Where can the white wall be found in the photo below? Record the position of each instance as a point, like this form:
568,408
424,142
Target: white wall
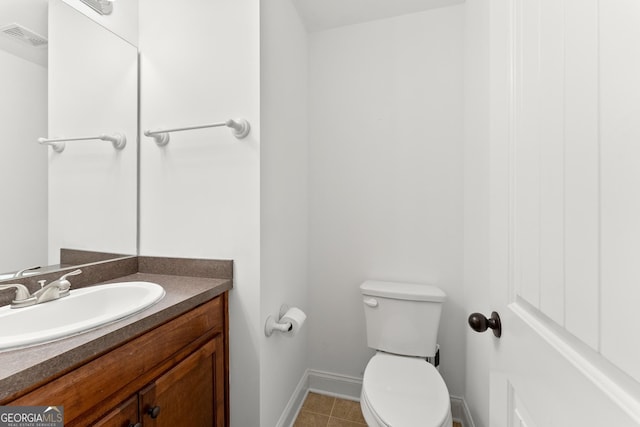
92,90
386,178
284,201
23,224
476,205
200,194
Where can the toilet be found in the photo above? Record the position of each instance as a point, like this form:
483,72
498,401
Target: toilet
400,387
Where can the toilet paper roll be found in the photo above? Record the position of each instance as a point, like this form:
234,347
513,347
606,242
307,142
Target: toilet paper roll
296,317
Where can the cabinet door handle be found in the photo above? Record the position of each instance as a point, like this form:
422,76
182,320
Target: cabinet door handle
154,411
135,425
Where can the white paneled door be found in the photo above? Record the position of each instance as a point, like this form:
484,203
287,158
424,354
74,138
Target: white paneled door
565,212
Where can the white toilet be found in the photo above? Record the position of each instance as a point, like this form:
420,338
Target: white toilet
400,387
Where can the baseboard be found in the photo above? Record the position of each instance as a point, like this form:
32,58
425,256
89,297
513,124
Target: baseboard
342,386
347,387
460,412
290,412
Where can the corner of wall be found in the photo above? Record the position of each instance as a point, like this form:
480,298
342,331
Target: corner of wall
476,209
284,205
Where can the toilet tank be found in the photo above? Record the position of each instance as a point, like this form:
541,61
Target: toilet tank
402,318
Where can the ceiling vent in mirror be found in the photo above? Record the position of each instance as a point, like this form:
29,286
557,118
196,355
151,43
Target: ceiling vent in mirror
103,7
25,35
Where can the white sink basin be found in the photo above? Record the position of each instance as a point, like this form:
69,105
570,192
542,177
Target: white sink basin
83,309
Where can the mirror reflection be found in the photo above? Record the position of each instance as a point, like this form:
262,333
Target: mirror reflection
65,75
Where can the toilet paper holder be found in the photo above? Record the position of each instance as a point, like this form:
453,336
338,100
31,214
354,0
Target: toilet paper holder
272,325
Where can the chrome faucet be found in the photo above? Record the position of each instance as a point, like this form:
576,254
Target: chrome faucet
22,295
21,272
55,290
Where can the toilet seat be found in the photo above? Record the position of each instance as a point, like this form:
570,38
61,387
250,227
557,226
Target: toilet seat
402,391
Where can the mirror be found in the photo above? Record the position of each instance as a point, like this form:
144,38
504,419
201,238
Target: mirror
83,82
23,174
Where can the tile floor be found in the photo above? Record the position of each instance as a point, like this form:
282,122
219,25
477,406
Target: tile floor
319,410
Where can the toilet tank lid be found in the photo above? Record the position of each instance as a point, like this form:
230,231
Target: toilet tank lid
406,291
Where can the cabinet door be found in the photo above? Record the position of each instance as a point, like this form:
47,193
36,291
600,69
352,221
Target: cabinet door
190,394
124,415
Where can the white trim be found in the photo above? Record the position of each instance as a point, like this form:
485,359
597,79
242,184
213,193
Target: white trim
291,411
337,385
460,412
347,387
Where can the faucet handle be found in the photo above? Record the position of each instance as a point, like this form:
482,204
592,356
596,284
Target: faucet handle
72,273
22,293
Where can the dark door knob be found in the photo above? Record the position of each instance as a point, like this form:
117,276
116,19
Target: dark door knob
154,411
479,323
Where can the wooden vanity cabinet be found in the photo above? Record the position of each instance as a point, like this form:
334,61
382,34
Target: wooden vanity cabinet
174,375
187,394
124,415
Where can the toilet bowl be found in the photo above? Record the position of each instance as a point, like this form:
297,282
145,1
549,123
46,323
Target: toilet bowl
400,387
400,391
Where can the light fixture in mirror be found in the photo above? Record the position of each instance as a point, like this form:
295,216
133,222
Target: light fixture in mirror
103,7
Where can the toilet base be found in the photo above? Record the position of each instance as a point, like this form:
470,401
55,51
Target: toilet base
372,419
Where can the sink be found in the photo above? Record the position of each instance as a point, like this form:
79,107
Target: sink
83,309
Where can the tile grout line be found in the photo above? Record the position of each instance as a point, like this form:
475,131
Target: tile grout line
315,412
331,411
335,402
333,407
349,421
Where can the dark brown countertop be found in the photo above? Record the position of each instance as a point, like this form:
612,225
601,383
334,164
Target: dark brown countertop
26,368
